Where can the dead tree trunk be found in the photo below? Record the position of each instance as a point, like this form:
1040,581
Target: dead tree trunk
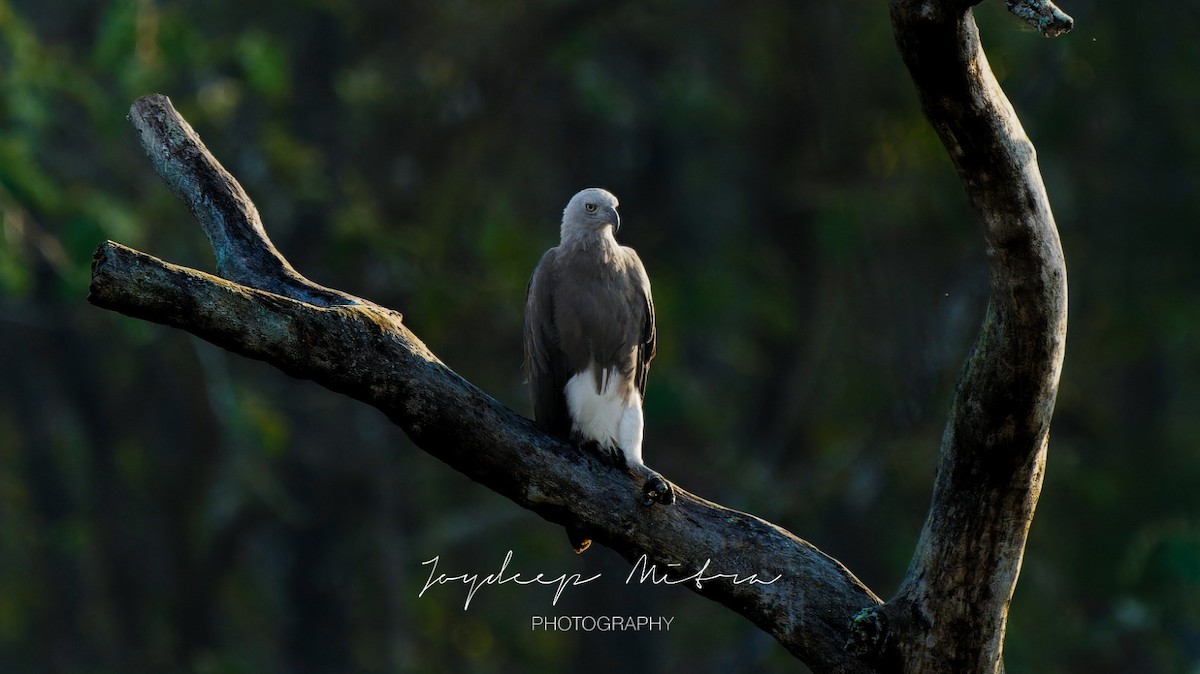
949,614
951,610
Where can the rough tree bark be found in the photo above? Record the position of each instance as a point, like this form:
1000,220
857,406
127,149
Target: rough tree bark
993,452
949,614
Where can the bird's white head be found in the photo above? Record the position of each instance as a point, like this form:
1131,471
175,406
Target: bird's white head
589,213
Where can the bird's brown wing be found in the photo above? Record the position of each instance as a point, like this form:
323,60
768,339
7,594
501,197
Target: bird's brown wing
545,366
649,336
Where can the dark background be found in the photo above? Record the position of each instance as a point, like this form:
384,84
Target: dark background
168,507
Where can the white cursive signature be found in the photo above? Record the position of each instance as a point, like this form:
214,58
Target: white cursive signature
475,581
651,573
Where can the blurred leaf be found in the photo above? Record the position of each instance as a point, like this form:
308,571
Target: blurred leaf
264,63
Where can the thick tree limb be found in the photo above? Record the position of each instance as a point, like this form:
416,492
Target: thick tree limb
951,610
355,347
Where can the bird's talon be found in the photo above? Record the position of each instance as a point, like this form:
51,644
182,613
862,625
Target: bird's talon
617,457
657,490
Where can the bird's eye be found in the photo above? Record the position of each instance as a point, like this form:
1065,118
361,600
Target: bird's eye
591,208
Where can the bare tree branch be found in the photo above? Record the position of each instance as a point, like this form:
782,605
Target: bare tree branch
951,610
244,252
355,347
1043,15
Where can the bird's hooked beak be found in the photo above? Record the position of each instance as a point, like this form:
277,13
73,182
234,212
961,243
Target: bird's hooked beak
616,220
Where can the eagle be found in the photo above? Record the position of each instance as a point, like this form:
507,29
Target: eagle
589,338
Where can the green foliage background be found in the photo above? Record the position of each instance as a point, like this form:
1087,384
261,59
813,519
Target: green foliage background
165,507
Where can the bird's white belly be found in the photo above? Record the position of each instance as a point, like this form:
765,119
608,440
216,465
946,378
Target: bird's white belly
612,417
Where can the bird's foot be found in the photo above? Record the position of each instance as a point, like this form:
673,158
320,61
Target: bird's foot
616,458
657,490
611,456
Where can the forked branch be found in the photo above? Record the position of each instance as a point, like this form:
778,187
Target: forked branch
948,616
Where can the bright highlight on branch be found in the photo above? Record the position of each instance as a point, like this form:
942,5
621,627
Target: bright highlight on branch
1043,15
